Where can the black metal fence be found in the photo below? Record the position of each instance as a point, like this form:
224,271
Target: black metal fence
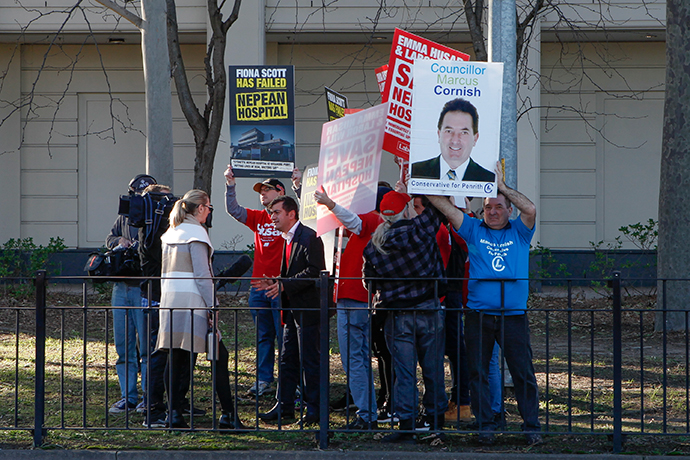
605,363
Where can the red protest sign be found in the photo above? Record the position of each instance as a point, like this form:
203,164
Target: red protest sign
398,91
381,75
349,162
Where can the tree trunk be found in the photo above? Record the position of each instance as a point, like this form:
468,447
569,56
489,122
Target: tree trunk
159,141
207,126
473,15
674,191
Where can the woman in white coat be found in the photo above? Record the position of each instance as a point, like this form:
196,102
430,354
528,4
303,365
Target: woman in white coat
186,297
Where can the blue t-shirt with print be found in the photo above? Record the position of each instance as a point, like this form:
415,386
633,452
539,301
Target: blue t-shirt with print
497,254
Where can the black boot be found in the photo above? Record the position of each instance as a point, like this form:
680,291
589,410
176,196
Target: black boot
176,420
230,422
279,411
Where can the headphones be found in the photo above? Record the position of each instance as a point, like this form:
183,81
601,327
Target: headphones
140,182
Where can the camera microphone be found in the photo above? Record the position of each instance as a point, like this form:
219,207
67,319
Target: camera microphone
235,270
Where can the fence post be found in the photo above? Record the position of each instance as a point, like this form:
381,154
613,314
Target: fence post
617,365
39,398
322,436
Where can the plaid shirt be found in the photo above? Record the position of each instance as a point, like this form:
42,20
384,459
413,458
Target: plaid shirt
412,253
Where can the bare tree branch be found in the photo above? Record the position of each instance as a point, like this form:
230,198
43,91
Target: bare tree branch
207,126
125,13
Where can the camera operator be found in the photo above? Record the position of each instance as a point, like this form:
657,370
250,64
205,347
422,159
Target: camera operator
128,322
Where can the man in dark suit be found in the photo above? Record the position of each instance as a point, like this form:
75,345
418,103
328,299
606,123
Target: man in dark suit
303,260
458,132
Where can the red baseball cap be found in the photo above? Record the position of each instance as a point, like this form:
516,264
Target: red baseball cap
394,202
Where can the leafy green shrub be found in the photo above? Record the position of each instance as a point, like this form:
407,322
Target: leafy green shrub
547,265
21,258
644,236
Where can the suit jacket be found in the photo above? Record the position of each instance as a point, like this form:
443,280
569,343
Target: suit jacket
431,169
300,291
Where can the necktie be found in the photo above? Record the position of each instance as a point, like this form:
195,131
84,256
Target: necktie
451,175
288,251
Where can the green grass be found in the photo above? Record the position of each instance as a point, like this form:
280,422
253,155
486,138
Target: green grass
81,384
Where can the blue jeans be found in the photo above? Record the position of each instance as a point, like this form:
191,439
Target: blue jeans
417,336
127,324
266,314
512,334
495,382
354,319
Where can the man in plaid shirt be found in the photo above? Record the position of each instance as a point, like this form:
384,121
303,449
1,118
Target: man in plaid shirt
401,250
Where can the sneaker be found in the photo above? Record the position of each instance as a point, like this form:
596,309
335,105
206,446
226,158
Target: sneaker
343,403
121,407
141,407
259,388
398,437
358,424
385,416
533,439
187,410
429,422
158,420
423,423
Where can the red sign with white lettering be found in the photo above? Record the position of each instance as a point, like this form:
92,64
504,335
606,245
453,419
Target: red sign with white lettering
406,48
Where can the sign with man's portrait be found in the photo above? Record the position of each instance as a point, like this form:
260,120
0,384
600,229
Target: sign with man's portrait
455,134
406,49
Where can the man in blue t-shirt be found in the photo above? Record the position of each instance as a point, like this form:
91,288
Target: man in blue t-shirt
497,299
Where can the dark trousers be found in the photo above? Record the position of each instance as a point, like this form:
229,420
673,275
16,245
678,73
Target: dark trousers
383,358
512,334
179,366
156,368
301,350
456,351
157,380
177,373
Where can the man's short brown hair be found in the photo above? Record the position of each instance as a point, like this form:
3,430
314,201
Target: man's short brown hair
289,204
509,204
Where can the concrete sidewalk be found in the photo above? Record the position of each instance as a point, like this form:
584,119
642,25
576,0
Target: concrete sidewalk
299,455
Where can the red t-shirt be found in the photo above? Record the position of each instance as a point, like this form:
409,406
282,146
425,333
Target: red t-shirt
352,261
268,244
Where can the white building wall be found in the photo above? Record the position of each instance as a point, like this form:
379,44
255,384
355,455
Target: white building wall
76,159
46,17
598,131
10,139
361,15
601,140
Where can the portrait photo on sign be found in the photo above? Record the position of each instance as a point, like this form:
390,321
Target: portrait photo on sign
455,134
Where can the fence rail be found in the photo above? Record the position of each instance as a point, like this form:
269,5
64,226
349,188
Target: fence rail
606,366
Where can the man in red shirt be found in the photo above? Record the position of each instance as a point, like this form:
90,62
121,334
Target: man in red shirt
268,246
